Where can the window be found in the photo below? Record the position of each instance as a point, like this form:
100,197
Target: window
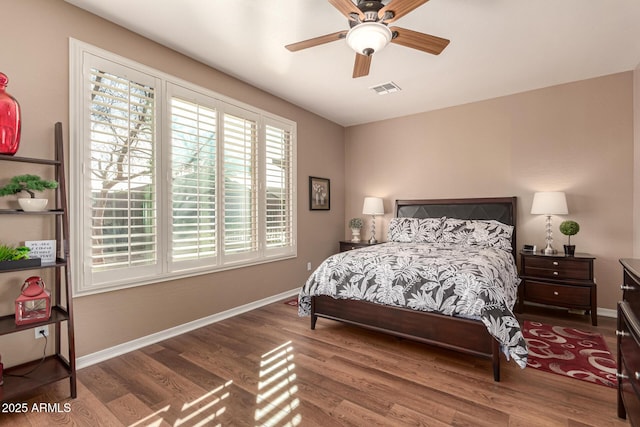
170,179
279,186
193,181
240,184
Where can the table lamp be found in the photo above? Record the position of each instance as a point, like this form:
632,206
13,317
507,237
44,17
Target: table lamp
373,206
549,203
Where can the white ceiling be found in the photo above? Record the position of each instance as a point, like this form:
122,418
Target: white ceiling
498,47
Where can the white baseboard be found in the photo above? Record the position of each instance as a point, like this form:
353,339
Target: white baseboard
607,312
120,349
604,312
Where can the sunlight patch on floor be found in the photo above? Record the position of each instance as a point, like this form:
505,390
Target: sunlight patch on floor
202,411
277,389
152,420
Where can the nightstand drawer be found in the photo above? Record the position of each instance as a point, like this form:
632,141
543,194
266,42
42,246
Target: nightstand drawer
548,293
557,268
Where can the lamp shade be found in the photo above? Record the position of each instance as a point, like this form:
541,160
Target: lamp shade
549,203
372,206
368,37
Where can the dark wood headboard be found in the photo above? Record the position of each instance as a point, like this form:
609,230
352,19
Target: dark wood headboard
501,209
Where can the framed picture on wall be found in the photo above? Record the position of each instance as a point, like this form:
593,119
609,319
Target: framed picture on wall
319,194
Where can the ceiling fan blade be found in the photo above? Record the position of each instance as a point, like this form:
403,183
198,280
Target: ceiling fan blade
316,41
361,66
346,7
415,40
399,8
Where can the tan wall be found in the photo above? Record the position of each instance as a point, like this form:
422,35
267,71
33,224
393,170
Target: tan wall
35,57
636,162
576,138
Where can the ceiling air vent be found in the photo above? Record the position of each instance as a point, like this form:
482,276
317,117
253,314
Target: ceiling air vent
386,88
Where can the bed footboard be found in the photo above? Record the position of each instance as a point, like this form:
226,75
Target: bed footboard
463,335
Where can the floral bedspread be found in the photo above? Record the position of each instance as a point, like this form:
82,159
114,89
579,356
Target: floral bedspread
464,281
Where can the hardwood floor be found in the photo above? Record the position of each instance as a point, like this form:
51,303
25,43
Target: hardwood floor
266,367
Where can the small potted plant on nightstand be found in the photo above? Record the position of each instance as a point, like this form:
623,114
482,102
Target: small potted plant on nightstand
355,224
569,228
30,184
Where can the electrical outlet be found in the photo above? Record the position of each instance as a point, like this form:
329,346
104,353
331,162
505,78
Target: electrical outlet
44,329
308,266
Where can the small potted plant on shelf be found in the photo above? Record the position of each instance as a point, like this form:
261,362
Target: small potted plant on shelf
29,184
355,224
15,257
569,228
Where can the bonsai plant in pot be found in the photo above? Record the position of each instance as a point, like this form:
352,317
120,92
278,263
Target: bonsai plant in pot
569,228
29,184
355,224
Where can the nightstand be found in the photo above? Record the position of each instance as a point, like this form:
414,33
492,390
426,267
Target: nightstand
558,280
347,245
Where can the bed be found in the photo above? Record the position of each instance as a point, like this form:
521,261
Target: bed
460,296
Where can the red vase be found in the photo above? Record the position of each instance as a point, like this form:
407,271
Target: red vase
9,120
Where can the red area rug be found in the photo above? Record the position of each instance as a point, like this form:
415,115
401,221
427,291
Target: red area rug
292,302
570,352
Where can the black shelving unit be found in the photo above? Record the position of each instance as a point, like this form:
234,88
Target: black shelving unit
55,367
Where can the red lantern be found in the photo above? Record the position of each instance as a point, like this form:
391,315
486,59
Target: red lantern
10,121
34,303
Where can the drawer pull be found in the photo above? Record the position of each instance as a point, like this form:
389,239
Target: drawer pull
627,288
555,293
622,333
555,273
622,376
555,262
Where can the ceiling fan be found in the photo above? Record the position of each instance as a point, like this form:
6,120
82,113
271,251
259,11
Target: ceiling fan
370,32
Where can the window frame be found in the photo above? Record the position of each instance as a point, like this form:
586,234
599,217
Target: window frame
167,86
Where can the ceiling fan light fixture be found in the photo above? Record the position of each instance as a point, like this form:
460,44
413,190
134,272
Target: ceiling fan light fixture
369,37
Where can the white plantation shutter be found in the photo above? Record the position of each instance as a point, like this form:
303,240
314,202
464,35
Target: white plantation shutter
121,193
169,179
278,189
240,184
193,181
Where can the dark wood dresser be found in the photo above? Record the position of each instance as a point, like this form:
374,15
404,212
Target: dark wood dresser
558,280
628,333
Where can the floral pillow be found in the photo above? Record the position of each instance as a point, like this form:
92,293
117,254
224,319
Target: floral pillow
485,233
415,230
